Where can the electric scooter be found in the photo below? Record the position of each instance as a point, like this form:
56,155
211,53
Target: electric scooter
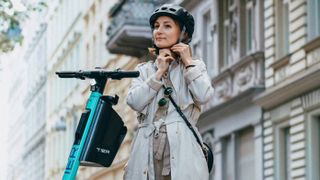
101,130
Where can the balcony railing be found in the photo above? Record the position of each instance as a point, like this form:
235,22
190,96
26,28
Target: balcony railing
129,32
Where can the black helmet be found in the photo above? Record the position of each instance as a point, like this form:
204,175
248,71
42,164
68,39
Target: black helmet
176,12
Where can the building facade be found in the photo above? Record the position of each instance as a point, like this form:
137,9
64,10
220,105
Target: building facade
291,100
16,125
64,100
26,102
262,58
230,40
35,105
4,124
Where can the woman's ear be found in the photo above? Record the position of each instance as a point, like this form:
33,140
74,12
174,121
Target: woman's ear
185,37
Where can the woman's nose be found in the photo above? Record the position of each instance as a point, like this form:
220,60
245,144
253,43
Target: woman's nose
159,30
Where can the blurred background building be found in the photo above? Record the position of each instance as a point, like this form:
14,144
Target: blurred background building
291,100
262,56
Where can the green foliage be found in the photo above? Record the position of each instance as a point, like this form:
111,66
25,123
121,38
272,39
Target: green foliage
11,19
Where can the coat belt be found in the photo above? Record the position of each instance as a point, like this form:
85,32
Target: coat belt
155,126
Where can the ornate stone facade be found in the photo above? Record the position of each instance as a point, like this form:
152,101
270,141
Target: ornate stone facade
291,100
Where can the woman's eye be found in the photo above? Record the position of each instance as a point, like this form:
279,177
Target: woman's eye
156,26
167,26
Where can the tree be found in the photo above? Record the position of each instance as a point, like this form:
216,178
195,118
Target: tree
12,14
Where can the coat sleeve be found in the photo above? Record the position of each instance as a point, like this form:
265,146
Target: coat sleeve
143,89
198,82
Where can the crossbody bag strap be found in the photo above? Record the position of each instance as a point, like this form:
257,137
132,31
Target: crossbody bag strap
185,119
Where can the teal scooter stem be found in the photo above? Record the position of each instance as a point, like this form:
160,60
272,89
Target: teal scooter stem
74,157
86,120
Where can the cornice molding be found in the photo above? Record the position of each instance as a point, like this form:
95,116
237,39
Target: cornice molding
292,87
313,44
311,100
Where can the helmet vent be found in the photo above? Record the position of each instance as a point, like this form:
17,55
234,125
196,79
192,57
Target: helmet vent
164,8
171,9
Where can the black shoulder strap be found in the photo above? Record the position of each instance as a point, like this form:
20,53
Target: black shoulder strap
185,119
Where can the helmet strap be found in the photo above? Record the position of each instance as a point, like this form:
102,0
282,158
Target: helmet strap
182,34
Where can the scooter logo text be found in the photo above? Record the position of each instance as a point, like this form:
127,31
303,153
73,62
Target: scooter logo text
104,151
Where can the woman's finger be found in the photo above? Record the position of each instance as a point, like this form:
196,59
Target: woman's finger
169,59
176,49
180,46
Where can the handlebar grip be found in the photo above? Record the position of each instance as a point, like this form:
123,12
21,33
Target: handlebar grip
124,74
66,74
129,74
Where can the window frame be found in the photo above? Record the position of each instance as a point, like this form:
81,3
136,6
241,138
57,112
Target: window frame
224,157
281,163
224,34
234,21
313,18
282,29
207,51
313,149
249,41
244,131
234,145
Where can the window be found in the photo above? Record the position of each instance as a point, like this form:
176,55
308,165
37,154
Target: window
224,37
283,155
313,19
282,28
245,154
207,50
101,50
238,155
228,159
237,29
94,52
313,146
286,151
249,24
87,56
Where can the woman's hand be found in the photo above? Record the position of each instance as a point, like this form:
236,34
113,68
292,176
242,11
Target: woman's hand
183,50
163,61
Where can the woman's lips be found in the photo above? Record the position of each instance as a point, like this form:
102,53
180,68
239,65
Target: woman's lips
159,39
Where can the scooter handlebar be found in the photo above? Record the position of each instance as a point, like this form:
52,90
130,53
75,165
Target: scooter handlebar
98,74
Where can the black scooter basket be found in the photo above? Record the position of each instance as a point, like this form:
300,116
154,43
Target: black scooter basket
105,136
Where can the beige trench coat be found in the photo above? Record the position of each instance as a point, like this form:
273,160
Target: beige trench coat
192,88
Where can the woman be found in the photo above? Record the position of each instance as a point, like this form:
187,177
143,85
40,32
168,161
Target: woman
164,147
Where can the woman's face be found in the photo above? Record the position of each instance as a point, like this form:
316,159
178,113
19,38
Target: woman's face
166,32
